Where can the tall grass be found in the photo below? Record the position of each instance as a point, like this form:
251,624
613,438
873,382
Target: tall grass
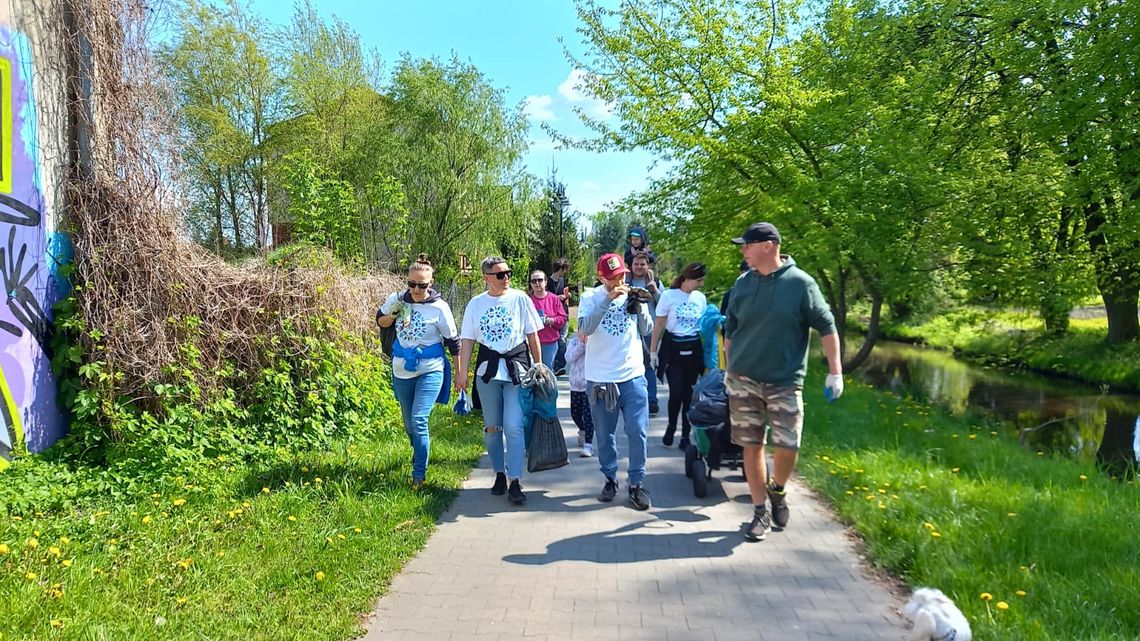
955,504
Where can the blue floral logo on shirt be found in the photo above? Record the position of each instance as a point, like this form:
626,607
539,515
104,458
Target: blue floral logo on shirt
688,317
495,325
414,332
616,321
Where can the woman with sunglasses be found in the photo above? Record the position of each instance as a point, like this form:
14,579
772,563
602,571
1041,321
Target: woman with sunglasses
552,314
421,373
681,357
505,324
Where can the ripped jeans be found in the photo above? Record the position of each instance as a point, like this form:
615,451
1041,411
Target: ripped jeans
503,415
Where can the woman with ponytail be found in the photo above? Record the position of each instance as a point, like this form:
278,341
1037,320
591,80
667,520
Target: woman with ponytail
421,371
676,333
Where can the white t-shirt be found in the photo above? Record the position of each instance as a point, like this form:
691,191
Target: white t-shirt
430,324
613,352
682,310
501,323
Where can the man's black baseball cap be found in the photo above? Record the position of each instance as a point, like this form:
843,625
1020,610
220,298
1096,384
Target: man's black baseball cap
758,233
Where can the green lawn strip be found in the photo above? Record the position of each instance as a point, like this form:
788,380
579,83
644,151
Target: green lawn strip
227,562
955,504
1018,339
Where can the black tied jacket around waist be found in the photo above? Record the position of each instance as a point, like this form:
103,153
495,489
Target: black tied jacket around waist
519,354
670,349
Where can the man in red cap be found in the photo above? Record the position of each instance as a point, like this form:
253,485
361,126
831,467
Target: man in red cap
615,375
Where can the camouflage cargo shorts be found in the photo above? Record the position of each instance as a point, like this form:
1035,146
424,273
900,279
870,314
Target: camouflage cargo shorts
760,409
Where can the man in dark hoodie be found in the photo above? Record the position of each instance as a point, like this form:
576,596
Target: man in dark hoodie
770,315
638,241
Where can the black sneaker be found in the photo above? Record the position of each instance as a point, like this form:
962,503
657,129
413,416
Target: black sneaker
653,407
667,440
500,486
515,494
759,528
684,445
561,371
609,491
779,503
639,498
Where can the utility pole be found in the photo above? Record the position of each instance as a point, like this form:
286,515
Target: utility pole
558,202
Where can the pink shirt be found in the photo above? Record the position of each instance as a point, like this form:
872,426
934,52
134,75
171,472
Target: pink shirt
550,306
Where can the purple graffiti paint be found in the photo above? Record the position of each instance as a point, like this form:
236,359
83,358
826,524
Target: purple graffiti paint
28,389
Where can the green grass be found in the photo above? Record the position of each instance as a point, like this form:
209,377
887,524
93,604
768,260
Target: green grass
221,559
1018,339
955,504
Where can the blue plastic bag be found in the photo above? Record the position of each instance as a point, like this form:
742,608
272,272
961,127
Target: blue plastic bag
462,405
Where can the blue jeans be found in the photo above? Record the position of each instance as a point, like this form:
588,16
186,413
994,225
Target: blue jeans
633,405
560,356
650,376
502,414
416,397
549,351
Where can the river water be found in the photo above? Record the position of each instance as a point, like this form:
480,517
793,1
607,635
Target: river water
1048,415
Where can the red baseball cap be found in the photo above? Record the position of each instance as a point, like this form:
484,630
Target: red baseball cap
611,266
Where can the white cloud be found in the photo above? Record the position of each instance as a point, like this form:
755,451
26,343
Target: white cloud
574,90
538,107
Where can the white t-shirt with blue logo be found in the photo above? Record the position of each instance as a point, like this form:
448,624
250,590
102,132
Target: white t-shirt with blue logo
500,322
430,323
613,352
683,311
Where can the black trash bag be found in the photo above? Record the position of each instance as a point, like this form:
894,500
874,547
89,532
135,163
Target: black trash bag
547,445
710,400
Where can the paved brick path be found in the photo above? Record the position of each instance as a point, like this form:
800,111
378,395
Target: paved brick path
568,567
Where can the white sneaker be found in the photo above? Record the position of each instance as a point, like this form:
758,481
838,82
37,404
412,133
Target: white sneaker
581,438
587,450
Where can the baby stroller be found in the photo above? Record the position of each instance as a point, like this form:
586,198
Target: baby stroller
712,444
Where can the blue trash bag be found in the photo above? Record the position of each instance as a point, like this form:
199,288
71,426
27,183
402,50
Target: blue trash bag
710,400
462,405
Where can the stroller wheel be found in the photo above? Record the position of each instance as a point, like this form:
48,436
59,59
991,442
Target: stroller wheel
691,454
700,479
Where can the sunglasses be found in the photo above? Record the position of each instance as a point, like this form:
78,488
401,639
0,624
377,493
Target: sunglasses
415,285
503,275
538,280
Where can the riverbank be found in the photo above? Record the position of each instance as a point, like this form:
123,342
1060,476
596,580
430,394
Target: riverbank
1030,547
1011,339
302,545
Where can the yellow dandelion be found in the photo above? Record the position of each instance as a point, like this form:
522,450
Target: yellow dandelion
1011,514
1002,605
953,436
921,488
870,497
265,490
929,526
328,540
292,518
220,553
986,596
850,493
320,576
1084,478
304,469
146,519
66,563
185,563
178,502
935,535
181,600
31,576
858,470
1020,593
1040,453
3,548
827,458
882,491
318,480
357,530
973,436
56,623
954,470
63,540
993,433
340,536
32,543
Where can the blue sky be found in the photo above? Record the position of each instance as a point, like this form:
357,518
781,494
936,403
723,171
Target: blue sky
516,45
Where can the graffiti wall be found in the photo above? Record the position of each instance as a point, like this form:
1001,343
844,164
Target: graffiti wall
31,252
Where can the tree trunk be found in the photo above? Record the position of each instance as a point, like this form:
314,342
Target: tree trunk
872,334
1123,324
1116,280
